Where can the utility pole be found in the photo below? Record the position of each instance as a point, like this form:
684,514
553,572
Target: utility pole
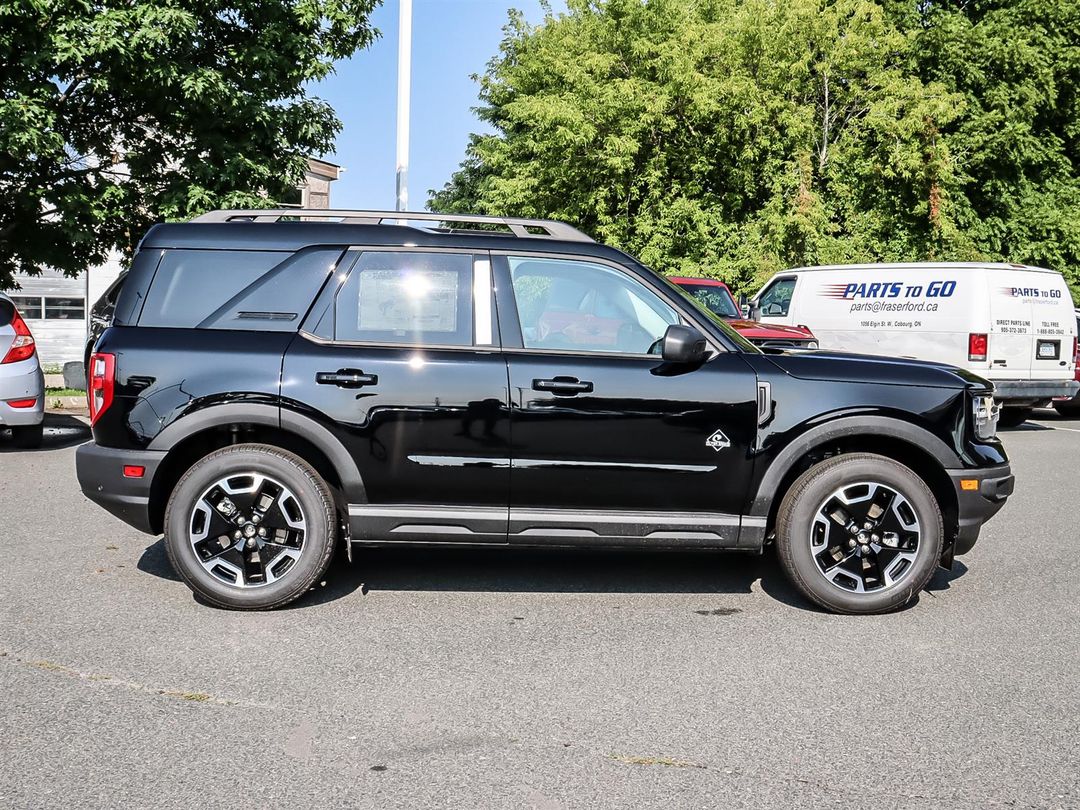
404,86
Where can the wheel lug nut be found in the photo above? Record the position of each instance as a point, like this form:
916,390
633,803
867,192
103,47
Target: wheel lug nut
866,549
236,534
851,544
255,518
875,538
262,532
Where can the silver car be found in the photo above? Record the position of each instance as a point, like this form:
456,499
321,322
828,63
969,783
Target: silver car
22,385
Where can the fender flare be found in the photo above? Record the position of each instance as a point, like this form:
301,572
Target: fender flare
272,416
919,438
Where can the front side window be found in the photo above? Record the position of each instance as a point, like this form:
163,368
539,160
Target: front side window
776,301
407,298
581,306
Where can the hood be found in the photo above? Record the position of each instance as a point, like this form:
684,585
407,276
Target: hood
764,331
865,368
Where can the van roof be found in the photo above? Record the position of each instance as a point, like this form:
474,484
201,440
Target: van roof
922,266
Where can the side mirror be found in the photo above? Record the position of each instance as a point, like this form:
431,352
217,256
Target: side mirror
683,344
745,309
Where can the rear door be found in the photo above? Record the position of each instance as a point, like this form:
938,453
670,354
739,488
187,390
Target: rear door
400,361
1032,325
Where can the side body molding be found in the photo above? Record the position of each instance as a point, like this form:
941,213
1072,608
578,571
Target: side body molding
271,416
842,427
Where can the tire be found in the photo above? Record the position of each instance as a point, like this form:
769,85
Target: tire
1067,409
897,573
299,516
28,437
1014,417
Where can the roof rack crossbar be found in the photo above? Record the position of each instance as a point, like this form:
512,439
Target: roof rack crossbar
520,227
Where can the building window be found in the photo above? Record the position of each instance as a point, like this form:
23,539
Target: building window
29,306
65,309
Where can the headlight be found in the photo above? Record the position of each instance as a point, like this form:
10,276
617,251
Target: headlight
985,412
813,344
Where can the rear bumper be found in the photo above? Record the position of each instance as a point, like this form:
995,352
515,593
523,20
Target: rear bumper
977,505
22,380
101,475
1028,392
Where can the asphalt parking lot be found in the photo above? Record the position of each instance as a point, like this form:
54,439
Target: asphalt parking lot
499,678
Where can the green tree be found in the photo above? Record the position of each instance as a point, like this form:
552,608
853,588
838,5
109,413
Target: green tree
118,113
733,138
1017,65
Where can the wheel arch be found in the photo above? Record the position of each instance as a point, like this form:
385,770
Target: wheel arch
918,449
194,436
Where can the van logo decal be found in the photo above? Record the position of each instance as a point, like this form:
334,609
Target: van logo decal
718,441
1029,292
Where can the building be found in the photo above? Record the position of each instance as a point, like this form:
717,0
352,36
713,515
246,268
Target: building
57,308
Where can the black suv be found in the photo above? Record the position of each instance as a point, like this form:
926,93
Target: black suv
274,381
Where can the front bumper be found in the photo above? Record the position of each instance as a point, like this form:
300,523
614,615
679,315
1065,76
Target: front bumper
22,380
1029,392
980,502
101,475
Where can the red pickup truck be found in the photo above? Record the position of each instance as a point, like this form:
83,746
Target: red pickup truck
717,298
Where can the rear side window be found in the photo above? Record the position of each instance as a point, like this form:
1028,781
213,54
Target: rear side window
407,298
236,289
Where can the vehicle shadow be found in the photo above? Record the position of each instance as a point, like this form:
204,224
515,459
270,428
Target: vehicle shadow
502,569
61,430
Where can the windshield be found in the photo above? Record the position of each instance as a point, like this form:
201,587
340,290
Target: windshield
715,298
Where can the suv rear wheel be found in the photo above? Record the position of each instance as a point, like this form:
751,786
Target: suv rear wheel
28,437
860,533
250,527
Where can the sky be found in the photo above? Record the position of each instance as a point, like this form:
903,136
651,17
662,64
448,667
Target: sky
452,40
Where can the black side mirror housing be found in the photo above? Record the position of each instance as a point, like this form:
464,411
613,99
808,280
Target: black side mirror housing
683,344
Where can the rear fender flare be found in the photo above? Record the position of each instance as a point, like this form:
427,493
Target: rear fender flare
270,416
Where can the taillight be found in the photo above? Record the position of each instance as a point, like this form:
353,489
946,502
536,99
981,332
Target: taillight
101,383
1076,351
977,344
22,348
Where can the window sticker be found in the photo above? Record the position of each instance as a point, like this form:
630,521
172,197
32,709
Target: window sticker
397,300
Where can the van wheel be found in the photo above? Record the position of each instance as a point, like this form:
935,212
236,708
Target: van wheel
859,533
1014,417
1068,409
250,527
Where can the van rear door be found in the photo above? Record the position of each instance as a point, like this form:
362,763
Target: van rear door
1032,325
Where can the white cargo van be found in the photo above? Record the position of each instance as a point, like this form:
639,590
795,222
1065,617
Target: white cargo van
1010,323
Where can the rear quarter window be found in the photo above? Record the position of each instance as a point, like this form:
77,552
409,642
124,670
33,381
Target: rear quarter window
236,289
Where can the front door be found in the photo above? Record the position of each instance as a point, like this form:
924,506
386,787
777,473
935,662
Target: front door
610,443
400,362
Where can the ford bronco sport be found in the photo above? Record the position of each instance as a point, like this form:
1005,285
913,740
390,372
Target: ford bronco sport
276,382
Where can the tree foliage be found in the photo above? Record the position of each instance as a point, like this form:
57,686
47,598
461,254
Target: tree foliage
118,113
735,138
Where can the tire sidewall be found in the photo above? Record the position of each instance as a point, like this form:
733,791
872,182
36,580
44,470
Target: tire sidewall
285,468
794,534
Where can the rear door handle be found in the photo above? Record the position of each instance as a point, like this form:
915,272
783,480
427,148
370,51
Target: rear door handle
563,385
346,378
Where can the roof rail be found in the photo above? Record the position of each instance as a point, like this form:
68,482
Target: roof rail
523,228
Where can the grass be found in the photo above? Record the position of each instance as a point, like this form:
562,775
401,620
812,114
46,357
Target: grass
64,392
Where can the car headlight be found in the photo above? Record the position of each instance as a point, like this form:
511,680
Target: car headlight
812,344
985,412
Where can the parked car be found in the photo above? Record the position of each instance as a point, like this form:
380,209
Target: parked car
716,297
271,386
22,385
1071,407
1009,323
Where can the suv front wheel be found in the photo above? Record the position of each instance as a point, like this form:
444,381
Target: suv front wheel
859,533
250,527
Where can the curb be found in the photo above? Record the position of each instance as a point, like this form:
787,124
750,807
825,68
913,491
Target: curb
65,403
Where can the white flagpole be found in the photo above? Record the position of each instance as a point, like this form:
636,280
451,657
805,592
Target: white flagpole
403,92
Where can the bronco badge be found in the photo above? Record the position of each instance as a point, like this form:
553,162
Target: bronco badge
718,441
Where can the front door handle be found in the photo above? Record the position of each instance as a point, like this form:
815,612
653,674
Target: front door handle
346,378
566,386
